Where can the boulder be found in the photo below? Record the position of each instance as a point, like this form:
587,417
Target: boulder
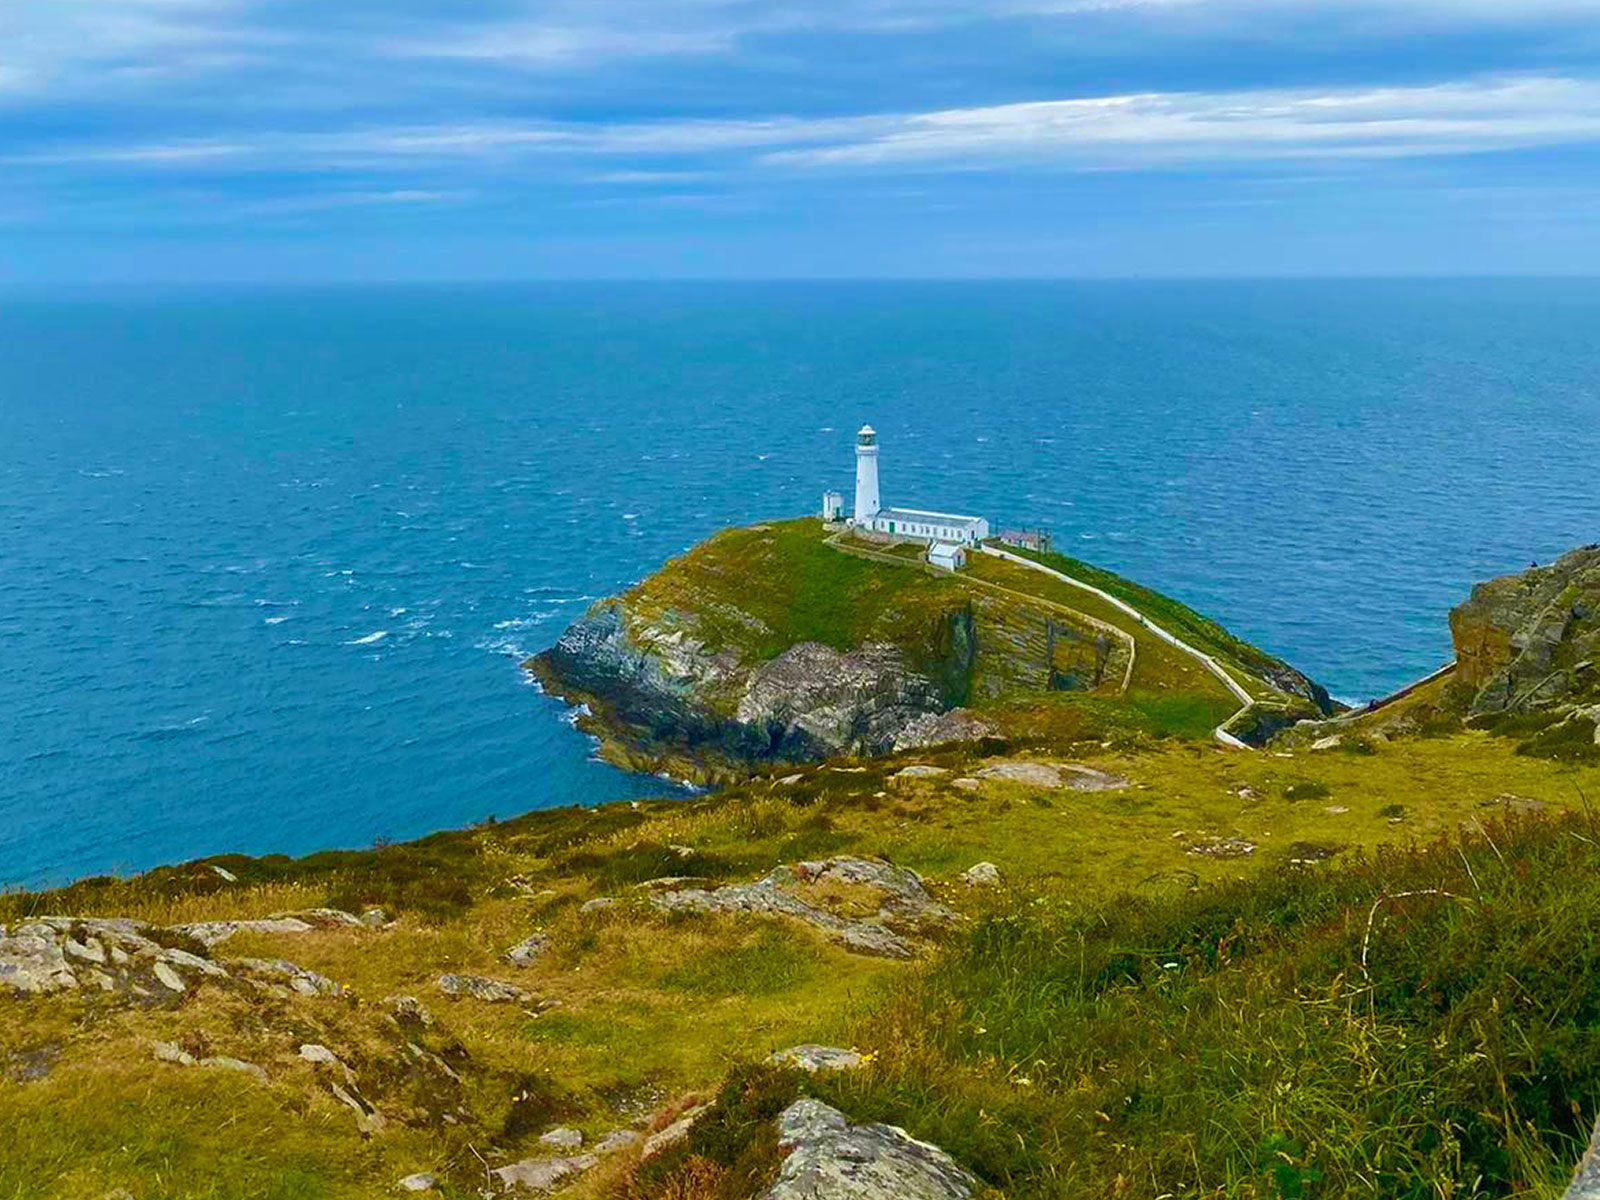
815,1058
941,729
921,771
422,1181
984,874
529,950
598,904
829,1157
561,1138
408,1010
490,991
543,1174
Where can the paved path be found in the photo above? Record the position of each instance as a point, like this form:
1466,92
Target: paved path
1210,664
1366,710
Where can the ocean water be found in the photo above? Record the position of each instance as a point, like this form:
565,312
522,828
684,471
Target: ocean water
268,560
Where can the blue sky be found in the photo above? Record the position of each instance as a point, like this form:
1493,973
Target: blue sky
294,140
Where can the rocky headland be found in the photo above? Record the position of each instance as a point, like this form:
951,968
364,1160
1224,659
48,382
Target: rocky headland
777,644
987,908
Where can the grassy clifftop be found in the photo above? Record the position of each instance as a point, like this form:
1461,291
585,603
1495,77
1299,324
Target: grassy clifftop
759,590
1208,980
1032,655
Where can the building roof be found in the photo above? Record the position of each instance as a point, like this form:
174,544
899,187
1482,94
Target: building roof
946,550
924,517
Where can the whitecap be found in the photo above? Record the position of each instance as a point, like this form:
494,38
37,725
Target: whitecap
398,612
630,516
369,639
279,620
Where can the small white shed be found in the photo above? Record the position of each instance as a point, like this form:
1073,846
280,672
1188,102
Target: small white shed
948,555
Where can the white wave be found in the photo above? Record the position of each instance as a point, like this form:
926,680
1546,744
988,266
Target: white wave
279,620
527,622
398,612
630,516
369,639
573,715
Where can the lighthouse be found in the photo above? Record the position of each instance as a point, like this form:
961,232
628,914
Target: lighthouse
866,476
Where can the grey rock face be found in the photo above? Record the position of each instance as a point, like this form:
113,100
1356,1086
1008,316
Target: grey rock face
113,955
529,950
170,1052
618,1139
817,1058
490,991
1529,641
906,910
829,1157
408,1010
661,689
1586,1179
291,975
422,1181
921,771
1054,776
543,1174
561,1138
814,702
214,933
941,729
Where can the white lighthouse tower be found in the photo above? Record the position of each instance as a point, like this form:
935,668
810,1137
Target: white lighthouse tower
867,505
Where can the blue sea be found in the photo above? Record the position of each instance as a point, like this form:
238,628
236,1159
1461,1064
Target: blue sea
269,559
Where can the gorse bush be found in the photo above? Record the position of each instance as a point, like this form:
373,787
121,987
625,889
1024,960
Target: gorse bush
1416,1024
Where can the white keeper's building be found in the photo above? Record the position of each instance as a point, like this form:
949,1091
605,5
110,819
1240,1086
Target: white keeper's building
939,529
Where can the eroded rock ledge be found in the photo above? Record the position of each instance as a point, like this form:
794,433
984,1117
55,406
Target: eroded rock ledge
662,700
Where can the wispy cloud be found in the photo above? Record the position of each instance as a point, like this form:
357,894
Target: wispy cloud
1162,128
1150,129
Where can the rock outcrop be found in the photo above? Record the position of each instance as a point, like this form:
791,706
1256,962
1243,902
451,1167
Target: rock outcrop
828,1156
657,693
114,955
1531,641
831,896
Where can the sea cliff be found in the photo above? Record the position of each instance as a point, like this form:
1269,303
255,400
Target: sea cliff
1071,946
786,642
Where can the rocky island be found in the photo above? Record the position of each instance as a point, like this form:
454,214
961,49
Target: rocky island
997,899
785,643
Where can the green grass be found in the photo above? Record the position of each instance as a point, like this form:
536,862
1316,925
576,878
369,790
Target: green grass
1254,1040
769,962
1172,615
762,589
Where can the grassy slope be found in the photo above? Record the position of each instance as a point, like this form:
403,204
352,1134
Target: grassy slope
796,589
761,589
1212,1075
1172,615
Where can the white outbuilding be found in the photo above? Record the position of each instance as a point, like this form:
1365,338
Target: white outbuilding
948,555
914,524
